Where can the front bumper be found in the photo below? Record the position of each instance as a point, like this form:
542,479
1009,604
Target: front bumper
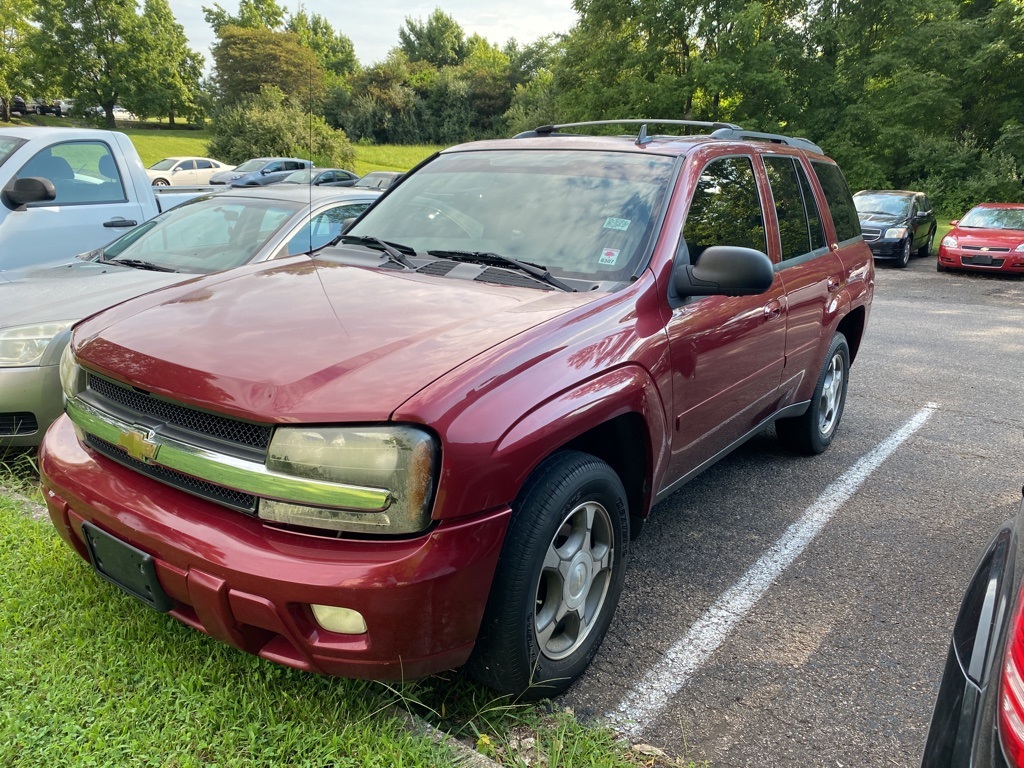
999,261
30,400
250,585
886,249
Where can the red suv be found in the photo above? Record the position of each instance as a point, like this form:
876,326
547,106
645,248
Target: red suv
430,444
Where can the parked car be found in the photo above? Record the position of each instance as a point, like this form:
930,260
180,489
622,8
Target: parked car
896,224
989,238
68,190
21,107
378,179
55,108
978,718
260,171
184,171
330,177
209,234
453,419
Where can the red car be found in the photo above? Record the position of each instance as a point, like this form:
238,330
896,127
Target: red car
431,445
990,238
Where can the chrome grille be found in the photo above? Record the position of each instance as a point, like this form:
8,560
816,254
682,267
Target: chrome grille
243,502
985,248
220,428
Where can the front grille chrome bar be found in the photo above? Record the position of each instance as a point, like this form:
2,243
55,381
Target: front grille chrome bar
149,446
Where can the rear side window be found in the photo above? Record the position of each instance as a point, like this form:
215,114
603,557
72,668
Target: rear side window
726,209
799,221
839,199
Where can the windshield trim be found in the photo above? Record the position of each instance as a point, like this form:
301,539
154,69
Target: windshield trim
16,144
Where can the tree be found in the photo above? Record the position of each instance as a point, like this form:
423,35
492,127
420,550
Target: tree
14,29
252,14
334,50
90,49
247,59
271,124
439,40
171,71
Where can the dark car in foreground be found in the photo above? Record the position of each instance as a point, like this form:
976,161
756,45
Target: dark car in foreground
897,224
978,721
989,238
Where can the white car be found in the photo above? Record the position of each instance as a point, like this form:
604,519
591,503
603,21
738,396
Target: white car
184,171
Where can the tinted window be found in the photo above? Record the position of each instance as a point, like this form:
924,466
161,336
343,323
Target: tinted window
204,164
789,206
81,172
814,225
839,200
725,209
187,165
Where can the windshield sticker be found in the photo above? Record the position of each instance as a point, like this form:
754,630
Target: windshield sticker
609,256
621,224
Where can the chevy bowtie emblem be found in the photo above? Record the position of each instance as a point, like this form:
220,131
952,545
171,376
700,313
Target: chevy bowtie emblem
984,248
139,444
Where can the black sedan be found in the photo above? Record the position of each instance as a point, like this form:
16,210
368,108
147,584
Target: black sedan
979,715
896,224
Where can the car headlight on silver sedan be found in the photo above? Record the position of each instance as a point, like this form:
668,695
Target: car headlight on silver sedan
397,465
24,345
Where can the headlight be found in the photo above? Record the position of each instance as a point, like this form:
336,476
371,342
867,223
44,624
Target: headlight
70,373
1019,248
896,233
402,460
949,241
24,345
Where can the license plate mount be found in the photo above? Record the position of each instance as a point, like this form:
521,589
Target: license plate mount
126,567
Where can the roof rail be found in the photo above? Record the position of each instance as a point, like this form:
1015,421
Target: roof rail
545,130
736,133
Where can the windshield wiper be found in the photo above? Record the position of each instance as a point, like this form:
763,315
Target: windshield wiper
138,264
395,251
497,260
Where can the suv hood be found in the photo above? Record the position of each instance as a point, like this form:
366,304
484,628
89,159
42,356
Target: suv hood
73,291
308,341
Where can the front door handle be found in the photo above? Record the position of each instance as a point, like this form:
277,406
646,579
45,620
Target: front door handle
833,284
772,309
119,223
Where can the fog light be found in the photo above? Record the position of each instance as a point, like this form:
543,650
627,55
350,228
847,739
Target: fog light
342,620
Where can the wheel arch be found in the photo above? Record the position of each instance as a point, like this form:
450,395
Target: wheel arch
852,327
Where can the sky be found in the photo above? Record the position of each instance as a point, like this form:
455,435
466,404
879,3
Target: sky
373,25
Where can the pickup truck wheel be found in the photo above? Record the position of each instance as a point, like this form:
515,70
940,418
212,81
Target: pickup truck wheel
812,433
558,579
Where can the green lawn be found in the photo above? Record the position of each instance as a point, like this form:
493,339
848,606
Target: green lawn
91,677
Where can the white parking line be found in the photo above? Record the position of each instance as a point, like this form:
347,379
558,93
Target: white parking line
647,698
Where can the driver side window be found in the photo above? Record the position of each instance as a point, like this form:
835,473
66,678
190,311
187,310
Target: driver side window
725,209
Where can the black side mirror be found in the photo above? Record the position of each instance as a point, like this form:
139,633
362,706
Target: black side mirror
31,189
725,270
921,215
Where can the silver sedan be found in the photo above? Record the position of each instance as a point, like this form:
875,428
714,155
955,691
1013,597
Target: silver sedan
213,233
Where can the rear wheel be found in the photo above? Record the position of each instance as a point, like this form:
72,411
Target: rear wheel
926,249
812,432
558,579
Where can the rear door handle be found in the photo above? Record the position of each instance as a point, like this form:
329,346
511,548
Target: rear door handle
118,223
772,309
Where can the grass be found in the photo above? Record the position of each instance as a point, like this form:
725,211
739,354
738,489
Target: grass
92,677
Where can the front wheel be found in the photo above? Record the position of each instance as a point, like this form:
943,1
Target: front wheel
558,579
904,258
161,183
812,432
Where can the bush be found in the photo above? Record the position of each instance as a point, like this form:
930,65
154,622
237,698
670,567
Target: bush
270,125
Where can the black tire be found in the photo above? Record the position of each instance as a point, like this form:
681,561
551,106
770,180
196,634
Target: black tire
926,250
812,433
904,258
572,514
161,183
940,268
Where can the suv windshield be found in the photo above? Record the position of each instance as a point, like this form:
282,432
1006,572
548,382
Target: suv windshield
581,214
894,205
208,235
994,218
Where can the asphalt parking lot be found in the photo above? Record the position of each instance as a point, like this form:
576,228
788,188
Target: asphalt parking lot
787,611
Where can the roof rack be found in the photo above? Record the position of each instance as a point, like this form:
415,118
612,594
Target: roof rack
736,133
726,131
